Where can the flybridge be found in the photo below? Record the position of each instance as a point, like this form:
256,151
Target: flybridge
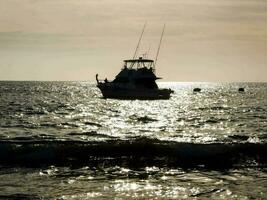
139,63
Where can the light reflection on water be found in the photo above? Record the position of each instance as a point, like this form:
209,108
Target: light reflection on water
72,110
75,111
123,183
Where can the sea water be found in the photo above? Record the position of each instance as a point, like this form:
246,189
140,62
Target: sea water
62,140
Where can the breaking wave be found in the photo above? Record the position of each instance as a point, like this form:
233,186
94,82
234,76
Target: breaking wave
133,153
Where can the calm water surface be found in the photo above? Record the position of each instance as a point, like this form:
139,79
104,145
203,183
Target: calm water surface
61,140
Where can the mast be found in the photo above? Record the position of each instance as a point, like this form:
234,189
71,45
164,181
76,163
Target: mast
138,44
159,46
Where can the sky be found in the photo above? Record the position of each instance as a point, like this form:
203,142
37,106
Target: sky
204,40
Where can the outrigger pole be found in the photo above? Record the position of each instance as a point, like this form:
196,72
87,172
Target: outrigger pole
138,44
159,46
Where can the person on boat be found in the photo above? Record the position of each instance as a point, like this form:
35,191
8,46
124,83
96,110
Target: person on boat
96,77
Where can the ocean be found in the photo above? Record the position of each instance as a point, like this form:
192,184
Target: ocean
62,140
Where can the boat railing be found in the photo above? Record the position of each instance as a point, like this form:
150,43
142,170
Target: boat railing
101,80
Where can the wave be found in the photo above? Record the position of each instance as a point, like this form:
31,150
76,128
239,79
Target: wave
143,119
20,196
135,153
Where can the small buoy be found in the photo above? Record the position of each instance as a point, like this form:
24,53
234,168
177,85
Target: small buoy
241,90
197,90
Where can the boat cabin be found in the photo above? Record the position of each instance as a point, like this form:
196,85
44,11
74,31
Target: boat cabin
139,72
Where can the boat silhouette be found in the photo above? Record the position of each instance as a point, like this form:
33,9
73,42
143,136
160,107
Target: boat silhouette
136,80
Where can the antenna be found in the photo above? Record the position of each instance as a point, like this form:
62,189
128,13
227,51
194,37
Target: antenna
159,46
138,44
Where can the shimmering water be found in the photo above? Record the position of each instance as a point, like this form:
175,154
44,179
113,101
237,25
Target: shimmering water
62,140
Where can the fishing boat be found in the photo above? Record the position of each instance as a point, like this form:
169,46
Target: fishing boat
136,80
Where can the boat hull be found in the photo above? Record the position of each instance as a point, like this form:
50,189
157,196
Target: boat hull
126,93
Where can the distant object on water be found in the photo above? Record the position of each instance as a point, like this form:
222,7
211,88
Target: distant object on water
196,90
241,89
136,80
